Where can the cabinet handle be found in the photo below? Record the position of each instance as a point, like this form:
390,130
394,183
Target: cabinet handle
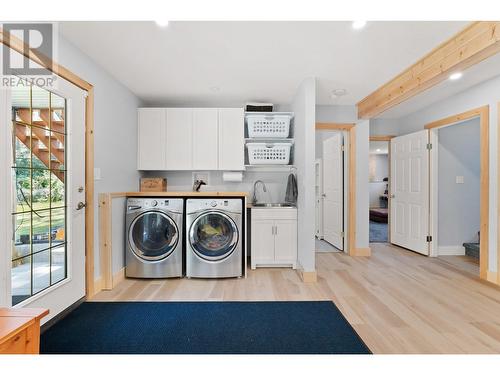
276,230
273,230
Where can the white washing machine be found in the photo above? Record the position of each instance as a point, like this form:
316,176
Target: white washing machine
154,238
214,238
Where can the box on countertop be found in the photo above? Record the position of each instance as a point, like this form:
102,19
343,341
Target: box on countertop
153,184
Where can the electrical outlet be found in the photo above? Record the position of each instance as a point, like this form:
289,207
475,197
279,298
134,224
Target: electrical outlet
203,176
459,179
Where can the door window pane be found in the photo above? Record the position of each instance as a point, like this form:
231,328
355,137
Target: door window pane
21,280
22,241
39,256
58,263
41,271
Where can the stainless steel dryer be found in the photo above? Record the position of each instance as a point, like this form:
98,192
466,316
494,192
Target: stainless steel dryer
154,238
214,242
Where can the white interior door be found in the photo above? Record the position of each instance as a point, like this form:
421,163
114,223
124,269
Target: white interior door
410,191
45,213
333,205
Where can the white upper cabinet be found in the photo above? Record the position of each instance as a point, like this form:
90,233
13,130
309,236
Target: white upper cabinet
191,139
151,138
205,138
231,139
179,142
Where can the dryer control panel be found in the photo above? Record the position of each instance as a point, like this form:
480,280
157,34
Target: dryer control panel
233,205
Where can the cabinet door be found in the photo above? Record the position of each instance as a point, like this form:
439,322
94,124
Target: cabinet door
151,139
205,138
262,242
285,242
179,144
231,139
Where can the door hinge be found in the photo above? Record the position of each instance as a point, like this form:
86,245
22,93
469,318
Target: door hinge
429,146
342,234
429,238
342,148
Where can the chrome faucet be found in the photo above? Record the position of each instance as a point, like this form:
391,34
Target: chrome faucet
254,198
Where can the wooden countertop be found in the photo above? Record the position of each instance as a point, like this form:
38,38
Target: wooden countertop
179,194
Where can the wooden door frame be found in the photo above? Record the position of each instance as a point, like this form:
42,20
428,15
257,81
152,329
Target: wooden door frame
483,113
385,138
17,45
350,128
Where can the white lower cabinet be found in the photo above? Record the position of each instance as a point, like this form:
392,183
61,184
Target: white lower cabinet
274,237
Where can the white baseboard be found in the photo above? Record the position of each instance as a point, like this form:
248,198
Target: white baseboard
451,250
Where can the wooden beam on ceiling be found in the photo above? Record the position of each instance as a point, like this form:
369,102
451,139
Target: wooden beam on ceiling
475,43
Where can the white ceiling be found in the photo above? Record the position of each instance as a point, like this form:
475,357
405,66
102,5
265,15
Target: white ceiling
249,61
478,73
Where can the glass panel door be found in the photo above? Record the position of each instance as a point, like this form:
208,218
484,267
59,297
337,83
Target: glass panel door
39,209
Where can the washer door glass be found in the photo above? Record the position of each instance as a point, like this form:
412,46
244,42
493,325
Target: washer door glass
153,236
213,236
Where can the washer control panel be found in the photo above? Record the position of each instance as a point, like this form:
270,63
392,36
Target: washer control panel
222,204
155,203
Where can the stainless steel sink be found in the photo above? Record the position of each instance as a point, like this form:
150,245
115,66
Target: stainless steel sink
273,205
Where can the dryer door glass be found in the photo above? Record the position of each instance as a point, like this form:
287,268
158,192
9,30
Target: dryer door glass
213,236
153,236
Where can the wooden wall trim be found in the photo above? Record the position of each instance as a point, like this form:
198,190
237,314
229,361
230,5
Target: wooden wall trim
467,115
309,277
498,195
361,252
17,45
89,193
475,43
484,119
334,126
105,240
376,138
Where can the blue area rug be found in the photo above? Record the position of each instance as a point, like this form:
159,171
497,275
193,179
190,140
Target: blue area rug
378,231
203,328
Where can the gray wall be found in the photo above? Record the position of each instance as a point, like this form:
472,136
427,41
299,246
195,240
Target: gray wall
458,155
115,124
303,106
275,183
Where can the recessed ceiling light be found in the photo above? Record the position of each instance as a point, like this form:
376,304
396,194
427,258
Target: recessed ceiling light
357,25
378,150
215,88
455,76
161,22
337,93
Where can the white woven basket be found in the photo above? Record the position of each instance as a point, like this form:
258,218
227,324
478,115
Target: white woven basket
269,153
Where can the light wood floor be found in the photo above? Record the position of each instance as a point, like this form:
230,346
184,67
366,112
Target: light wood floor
397,301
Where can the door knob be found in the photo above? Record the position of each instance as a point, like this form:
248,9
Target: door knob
323,195
80,205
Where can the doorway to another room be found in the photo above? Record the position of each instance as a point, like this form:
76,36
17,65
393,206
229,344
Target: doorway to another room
330,191
457,189
379,171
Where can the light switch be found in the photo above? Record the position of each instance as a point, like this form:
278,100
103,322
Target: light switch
97,174
459,179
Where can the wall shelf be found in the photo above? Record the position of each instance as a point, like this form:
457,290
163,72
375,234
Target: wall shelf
269,168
